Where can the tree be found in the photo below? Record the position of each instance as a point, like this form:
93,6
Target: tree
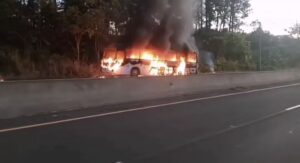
294,31
209,13
238,9
276,52
96,28
199,15
77,25
221,14
220,10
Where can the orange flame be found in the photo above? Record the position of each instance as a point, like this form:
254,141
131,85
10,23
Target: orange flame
161,63
111,64
181,68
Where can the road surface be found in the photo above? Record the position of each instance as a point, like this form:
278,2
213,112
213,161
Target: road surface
261,126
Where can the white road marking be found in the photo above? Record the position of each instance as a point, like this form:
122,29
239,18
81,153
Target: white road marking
146,108
293,108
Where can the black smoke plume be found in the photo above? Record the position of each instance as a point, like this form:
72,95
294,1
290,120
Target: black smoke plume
164,24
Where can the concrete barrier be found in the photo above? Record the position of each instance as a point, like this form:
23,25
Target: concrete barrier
34,97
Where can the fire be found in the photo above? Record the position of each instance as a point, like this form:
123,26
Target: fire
158,68
192,58
173,59
146,55
159,63
181,68
111,64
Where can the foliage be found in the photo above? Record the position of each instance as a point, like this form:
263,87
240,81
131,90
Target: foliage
226,46
221,14
295,31
15,66
277,51
34,32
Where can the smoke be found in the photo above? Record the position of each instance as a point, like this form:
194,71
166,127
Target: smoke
165,24
207,58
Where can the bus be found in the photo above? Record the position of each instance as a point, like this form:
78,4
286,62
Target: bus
148,62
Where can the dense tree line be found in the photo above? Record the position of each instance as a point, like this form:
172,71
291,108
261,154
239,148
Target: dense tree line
218,30
58,38
221,14
65,38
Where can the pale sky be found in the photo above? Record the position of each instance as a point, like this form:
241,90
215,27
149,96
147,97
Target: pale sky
275,15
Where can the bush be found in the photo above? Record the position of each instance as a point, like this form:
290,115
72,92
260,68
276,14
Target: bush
15,66
228,65
232,51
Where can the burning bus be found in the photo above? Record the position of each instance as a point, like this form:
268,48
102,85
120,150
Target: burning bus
160,42
148,62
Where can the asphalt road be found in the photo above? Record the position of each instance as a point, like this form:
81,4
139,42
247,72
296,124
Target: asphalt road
257,127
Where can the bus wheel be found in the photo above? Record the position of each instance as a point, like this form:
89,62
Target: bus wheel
135,72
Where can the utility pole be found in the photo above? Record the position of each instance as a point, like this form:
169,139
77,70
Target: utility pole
260,45
259,30
260,50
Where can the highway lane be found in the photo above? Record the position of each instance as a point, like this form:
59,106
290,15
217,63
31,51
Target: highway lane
209,130
275,140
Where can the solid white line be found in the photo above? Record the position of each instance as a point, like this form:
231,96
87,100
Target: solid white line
146,108
293,108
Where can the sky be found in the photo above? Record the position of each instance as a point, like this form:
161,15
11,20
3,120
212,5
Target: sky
275,15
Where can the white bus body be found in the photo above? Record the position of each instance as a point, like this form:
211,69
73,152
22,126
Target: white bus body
147,63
